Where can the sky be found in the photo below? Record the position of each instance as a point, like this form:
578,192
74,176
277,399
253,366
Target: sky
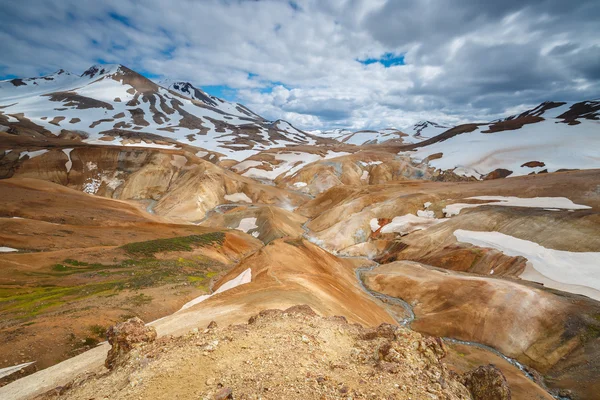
324,64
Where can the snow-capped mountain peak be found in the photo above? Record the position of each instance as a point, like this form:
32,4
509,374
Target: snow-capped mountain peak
114,105
187,89
96,71
425,128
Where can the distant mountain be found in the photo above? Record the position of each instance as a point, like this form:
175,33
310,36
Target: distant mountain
114,105
550,137
426,129
414,134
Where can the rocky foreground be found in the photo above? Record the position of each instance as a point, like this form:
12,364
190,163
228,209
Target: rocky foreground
291,354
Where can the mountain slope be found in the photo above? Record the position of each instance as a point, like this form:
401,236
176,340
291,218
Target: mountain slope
111,104
548,138
188,90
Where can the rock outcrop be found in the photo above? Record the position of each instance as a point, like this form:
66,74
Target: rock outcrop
282,354
487,383
124,337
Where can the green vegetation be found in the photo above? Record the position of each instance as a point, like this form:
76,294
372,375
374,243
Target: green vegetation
98,330
74,267
106,281
181,243
139,300
591,332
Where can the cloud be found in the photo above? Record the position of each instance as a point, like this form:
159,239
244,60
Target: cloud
447,60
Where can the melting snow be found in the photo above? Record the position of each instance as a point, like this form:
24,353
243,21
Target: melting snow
241,279
7,249
69,163
32,154
11,370
561,268
374,223
408,223
533,202
247,224
238,197
426,214
92,186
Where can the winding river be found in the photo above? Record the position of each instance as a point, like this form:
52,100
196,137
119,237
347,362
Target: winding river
406,321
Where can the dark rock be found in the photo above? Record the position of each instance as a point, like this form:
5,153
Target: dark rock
497,174
487,382
212,325
387,331
533,164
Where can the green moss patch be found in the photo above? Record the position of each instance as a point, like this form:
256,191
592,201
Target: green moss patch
182,243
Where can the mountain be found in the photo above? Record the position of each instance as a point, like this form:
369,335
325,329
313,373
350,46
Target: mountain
363,137
427,129
114,105
550,137
414,134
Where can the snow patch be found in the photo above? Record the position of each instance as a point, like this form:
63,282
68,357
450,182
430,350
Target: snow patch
92,185
11,370
5,249
238,197
241,279
32,154
425,214
511,201
564,270
408,223
69,163
374,223
247,224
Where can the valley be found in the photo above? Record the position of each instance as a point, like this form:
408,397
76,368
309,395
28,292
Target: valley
181,208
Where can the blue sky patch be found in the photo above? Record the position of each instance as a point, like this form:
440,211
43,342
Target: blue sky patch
222,91
387,60
121,18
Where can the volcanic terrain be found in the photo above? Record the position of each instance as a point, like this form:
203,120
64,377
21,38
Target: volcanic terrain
406,261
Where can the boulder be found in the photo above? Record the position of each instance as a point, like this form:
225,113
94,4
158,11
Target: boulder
124,337
487,382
